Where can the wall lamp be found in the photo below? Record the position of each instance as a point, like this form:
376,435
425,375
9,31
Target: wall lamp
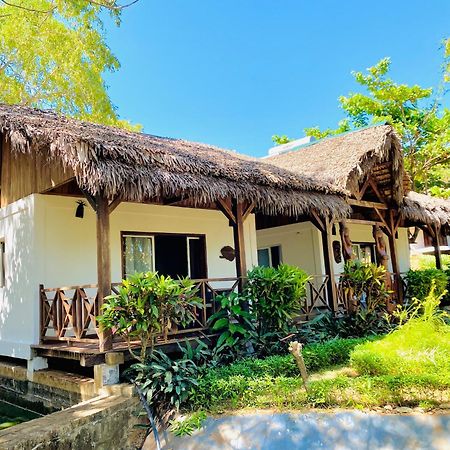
80,209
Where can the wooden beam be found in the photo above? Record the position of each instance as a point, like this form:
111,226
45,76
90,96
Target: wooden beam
248,211
317,221
239,241
91,200
437,248
115,203
394,257
383,220
374,186
365,222
366,204
223,206
327,246
361,192
103,264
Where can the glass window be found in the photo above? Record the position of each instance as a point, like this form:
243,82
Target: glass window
264,257
270,256
364,252
138,254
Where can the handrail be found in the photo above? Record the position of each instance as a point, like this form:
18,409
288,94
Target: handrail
69,313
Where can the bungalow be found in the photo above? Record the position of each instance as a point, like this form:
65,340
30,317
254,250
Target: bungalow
84,205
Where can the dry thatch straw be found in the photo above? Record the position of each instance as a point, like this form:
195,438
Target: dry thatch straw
420,208
345,160
142,167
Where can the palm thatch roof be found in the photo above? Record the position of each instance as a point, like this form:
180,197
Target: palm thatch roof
345,160
140,167
421,208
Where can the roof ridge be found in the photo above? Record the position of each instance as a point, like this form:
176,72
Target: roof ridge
327,138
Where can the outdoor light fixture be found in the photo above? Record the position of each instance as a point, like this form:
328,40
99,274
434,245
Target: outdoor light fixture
80,209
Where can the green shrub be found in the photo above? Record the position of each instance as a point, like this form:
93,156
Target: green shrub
421,262
419,282
229,383
276,296
148,304
420,346
167,381
364,286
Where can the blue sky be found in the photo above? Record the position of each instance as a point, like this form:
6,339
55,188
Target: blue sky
234,72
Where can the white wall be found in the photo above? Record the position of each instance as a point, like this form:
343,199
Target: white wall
301,245
46,243
19,298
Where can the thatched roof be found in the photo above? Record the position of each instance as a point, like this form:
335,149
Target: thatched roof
141,167
421,208
346,159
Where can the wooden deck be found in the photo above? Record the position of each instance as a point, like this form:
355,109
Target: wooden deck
88,353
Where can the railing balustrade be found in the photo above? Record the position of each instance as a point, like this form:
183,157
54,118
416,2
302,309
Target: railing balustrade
69,313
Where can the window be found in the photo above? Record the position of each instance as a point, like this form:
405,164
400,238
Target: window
364,252
177,255
138,254
269,256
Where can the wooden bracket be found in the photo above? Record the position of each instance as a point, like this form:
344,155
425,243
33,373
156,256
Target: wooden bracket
223,206
115,203
363,189
317,221
383,220
248,210
374,186
91,200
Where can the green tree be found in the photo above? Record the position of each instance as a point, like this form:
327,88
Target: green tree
415,112
53,54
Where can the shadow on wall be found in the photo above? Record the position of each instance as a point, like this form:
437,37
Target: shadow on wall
352,429
19,306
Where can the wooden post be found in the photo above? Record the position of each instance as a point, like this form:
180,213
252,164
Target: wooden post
103,264
437,248
394,258
239,242
327,245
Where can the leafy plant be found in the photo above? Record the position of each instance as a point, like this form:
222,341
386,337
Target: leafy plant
166,381
233,323
185,426
420,345
276,296
37,38
149,304
419,282
364,286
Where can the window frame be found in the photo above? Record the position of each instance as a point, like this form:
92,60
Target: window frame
124,234
269,249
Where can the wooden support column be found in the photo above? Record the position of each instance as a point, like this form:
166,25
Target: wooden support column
103,264
325,228
327,245
239,242
394,257
236,212
437,248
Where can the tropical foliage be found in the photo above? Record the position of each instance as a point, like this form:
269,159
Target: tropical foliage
149,304
53,54
419,346
415,112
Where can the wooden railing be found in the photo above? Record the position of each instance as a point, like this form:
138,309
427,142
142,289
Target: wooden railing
316,301
69,313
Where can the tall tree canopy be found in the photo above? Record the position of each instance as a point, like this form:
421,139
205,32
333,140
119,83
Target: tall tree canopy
53,54
416,113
